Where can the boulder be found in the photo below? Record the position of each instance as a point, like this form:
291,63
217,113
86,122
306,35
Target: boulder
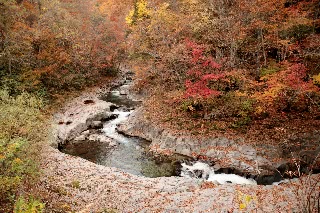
80,138
80,118
96,125
102,139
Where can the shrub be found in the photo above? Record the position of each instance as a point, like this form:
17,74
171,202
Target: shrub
28,206
316,79
269,70
21,133
297,32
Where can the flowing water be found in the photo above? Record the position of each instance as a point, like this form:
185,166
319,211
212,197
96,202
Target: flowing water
131,153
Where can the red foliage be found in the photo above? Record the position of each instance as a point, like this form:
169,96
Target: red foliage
199,88
296,78
204,69
212,77
211,63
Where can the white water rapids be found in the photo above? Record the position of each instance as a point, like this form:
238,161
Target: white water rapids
110,127
209,174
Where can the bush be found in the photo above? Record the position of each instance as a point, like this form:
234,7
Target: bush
28,206
316,79
271,69
297,32
21,133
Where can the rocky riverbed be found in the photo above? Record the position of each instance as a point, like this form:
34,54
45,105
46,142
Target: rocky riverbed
75,184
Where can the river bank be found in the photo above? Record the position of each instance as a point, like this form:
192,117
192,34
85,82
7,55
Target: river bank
75,184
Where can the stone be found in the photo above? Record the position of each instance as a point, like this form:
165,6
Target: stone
124,109
211,153
102,139
113,143
93,137
233,154
123,92
82,117
216,167
247,150
85,133
186,152
224,142
179,148
96,125
88,101
80,138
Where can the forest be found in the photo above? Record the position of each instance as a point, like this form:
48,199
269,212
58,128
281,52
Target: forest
206,67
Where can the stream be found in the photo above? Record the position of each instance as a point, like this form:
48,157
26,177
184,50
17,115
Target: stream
130,154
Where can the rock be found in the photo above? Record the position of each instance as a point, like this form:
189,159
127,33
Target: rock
247,150
83,116
102,139
216,167
113,107
262,162
113,143
88,101
96,125
93,137
124,109
246,167
123,92
80,138
186,152
211,153
224,142
242,157
85,133
100,116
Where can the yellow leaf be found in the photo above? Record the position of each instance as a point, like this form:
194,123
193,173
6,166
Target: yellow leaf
242,206
18,161
248,198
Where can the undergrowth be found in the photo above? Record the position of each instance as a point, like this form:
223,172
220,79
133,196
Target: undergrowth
21,135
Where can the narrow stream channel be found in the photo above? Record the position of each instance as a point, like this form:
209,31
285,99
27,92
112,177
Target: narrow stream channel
130,155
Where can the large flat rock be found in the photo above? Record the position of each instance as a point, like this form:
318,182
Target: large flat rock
84,113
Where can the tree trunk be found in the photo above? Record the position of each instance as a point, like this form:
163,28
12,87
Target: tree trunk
263,49
258,65
233,53
10,65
